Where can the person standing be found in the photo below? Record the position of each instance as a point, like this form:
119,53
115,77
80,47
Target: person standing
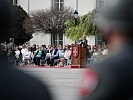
83,41
11,51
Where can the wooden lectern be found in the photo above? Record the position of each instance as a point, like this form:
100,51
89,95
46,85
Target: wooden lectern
78,56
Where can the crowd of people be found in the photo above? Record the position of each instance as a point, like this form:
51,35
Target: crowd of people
41,55
55,55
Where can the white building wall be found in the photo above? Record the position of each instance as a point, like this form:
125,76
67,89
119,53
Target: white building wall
35,4
41,38
84,6
67,41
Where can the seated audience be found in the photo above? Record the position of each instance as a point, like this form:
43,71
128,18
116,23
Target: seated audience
67,56
40,54
49,50
54,56
28,55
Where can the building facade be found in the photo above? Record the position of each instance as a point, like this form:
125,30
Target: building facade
82,6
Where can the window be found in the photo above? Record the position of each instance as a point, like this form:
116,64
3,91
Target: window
58,4
58,39
15,2
100,4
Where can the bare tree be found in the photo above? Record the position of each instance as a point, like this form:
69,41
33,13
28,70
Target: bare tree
51,21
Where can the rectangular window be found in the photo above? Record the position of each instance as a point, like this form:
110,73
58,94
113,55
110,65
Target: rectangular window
58,39
58,4
62,6
15,2
100,4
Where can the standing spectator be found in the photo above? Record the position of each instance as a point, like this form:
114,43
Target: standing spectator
89,54
11,47
11,51
5,46
95,56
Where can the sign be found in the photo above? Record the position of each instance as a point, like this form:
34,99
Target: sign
75,52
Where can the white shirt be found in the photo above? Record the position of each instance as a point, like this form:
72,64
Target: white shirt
17,53
23,50
60,52
57,53
105,52
67,54
28,55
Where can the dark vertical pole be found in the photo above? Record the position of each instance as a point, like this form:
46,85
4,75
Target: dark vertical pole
75,21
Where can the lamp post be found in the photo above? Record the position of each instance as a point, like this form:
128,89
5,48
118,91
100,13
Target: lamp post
75,16
28,6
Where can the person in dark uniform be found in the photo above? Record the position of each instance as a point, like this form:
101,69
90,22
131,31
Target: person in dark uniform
14,84
112,78
83,41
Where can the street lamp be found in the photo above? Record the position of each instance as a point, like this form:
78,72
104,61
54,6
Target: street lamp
75,16
28,6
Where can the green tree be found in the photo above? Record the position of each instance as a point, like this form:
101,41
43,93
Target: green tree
22,30
85,26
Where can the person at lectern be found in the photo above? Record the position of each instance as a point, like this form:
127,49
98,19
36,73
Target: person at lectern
83,41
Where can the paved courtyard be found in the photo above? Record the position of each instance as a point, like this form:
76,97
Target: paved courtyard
63,83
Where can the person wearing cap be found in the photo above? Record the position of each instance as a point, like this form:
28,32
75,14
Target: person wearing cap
15,84
112,78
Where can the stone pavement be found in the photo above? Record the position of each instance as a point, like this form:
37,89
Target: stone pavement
63,83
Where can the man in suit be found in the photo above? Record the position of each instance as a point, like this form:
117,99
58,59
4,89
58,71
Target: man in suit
112,78
49,50
83,41
54,55
14,84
